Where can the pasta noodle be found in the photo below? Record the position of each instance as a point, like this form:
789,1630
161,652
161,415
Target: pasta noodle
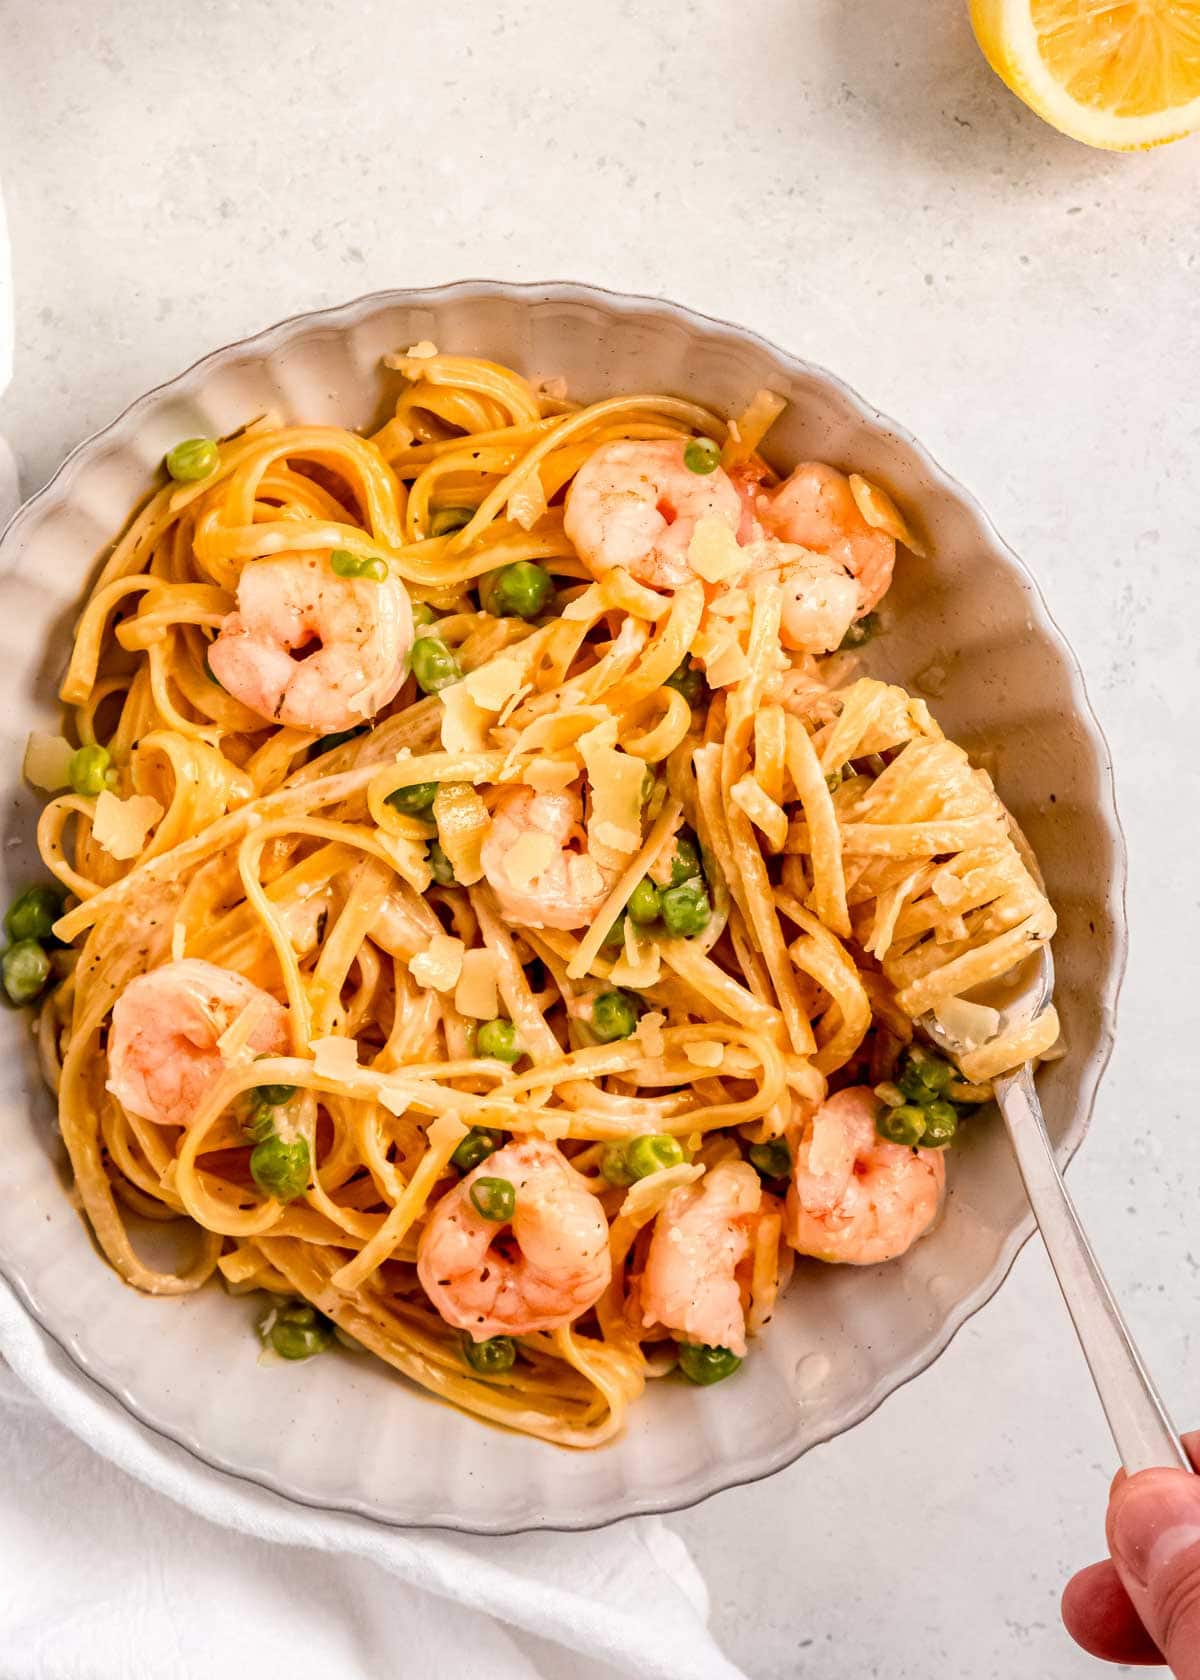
477,885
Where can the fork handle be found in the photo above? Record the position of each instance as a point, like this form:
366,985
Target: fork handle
1145,1436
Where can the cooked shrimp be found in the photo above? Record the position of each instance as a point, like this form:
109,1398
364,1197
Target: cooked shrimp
820,598
536,862
854,1197
700,1238
814,507
162,1046
538,1271
311,649
636,505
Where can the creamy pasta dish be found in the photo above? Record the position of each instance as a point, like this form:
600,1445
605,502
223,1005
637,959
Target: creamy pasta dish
489,901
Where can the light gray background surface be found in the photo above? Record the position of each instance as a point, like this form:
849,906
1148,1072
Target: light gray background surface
847,177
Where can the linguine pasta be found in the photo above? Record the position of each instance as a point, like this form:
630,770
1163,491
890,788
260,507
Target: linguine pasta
778,865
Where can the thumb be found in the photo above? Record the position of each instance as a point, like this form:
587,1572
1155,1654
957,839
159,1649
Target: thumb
1154,1538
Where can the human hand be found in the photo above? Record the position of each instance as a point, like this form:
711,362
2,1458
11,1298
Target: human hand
1142,1605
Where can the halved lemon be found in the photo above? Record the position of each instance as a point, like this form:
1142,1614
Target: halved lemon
1123,74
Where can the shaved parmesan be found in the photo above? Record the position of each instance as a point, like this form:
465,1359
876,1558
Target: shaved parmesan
881,513
438,967
713,552
827,1149
550,775
334,1058
638,972
649,1034
727,666
423,351
588,605
465,724
47,762
476,994
617,780
705,1052
121,825
584,876
528,859
968,1024
494,683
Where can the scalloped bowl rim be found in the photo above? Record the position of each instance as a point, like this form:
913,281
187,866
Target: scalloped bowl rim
724,1475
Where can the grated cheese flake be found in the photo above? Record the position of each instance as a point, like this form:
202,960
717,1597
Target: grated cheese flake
529,858
334,1057
617,780
705,1053
47,762
423,351
121,825
713,552
476,994
550,775
969,1024
494,683
649,1034
465,723
438,967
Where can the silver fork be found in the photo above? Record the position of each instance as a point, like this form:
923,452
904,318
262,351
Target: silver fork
1145,1436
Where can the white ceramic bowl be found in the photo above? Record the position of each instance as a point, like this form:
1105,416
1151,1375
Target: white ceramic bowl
345,1432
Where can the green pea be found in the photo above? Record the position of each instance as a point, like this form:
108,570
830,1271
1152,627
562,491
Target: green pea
446,520
706,1365
614,1015
261,1124
652,1152
860,632
771,1160
702,455
494,1199
34,913
519,590
347,565
499,1039
433,665
834,779
492,1357
905,1125
643,904
90,770
686,910
941,1123
443,869
925,1075
423,614
688,681
616,933
24,969
413,801
328,742
614,1166
479,1143
281,1169
685,860
299,1331
192,460
275,1095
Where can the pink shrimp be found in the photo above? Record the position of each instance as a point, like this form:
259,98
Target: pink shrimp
561,1264
701,1237
311,649
637,505
562,885
854,1197
163,1055
815,507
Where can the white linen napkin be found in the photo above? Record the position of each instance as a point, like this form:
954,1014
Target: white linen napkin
151,1563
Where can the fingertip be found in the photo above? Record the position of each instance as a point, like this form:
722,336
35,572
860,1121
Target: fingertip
1099,1616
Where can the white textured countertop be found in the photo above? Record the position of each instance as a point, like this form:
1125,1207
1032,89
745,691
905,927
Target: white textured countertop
851,181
